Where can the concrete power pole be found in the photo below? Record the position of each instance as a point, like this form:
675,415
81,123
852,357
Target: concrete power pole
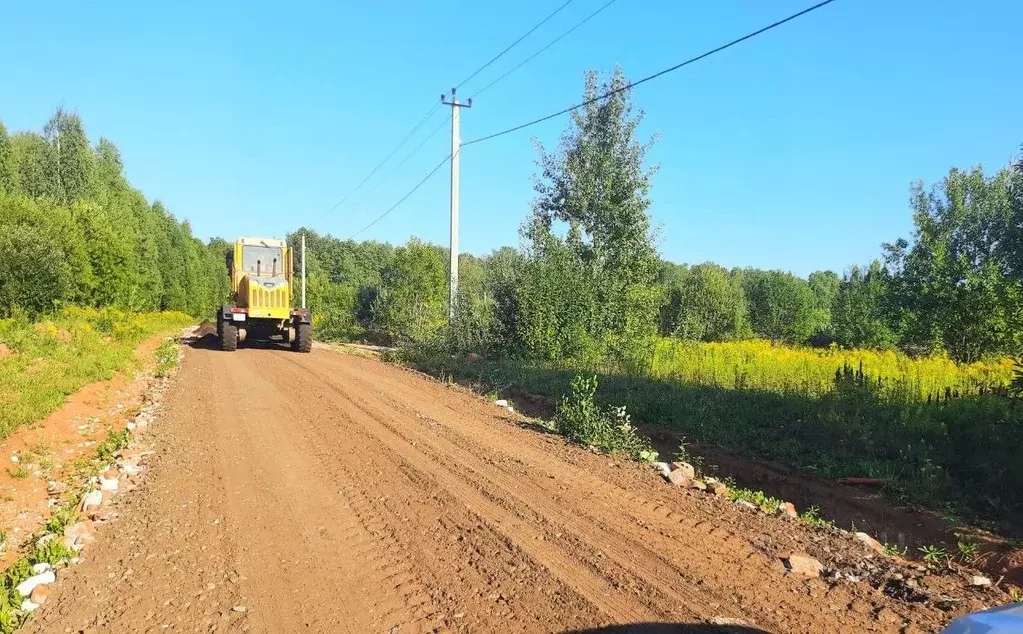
455,147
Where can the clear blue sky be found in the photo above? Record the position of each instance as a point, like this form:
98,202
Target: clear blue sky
793,151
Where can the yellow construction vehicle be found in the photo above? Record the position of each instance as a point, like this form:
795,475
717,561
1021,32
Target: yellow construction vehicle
262,285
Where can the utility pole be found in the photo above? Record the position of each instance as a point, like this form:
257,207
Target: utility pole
455,147
303,269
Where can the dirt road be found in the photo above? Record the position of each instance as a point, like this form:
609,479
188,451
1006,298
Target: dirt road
331,493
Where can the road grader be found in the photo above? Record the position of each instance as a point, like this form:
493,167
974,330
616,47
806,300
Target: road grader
262,286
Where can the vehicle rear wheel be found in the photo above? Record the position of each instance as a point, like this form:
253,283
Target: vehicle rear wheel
228,336
303,341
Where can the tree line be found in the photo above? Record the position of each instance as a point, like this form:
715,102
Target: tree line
587,284
74,231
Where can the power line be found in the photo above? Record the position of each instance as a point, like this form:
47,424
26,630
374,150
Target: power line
430,114
432,134
403,198
513,44
654,76
397,147
550,44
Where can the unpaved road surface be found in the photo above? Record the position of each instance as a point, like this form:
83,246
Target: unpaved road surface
331,493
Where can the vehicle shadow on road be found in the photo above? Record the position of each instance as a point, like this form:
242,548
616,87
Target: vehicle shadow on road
210,342
206,342
670,628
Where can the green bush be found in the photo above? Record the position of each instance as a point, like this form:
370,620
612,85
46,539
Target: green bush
580,420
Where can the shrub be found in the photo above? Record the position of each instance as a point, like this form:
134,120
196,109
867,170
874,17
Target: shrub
580,420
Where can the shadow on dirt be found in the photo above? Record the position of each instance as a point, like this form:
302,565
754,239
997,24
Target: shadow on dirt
670,628
211,342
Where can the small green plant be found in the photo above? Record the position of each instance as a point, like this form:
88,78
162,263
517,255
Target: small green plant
166,358
18,472
684,455
968,551
116,440
893,550
812,516
1016,594
17,572
934,556
63,517
52,552
582,421
766,503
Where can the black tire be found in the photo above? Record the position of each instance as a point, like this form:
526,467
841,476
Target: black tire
228,336
303,341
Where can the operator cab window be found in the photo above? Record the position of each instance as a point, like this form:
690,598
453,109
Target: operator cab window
262,260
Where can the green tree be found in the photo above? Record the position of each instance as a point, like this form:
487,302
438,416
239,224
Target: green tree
7,169
824,286
781,305
30,155
70,167
594,186
862,314
412,301
706,303
953,285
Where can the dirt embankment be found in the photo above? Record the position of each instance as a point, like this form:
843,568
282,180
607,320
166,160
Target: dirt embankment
332,493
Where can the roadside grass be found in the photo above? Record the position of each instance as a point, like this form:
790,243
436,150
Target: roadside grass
940,456
53,358
166,358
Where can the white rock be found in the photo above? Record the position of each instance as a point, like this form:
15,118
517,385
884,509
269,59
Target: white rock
28,585
108,484
28,606
663,468
980,581
511,409
747,504
41,567
90,499
130,426
15,458
130,469
499,402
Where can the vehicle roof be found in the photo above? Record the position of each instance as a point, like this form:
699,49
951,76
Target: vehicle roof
270,242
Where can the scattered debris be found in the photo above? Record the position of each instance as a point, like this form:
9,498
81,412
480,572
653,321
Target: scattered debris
240,608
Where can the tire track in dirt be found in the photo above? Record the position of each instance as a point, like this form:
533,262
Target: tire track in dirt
533,540
668,543
646,572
